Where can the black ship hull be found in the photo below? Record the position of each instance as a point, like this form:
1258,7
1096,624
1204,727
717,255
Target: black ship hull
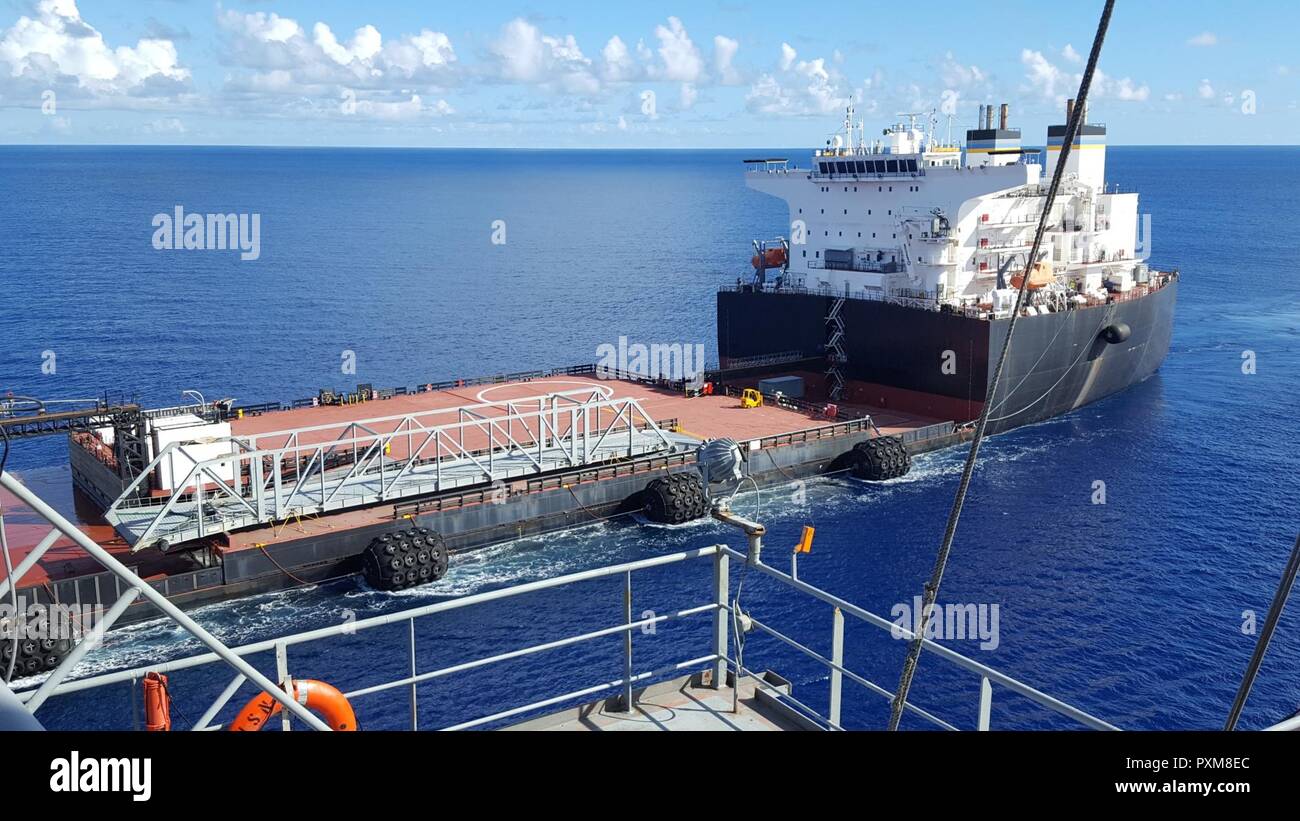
940,364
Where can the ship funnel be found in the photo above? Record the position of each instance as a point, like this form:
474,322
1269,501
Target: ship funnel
1005,113
1069,110
988,116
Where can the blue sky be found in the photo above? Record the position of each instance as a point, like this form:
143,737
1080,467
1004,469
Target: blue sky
652,74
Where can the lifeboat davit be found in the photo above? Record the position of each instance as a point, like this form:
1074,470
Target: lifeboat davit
324,699
771,258
1040,276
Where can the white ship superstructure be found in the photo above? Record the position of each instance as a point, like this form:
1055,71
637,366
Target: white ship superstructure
917,218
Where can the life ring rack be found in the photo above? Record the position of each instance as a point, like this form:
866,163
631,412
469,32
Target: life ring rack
324,699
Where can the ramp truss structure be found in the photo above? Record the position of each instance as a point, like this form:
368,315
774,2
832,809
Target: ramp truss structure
276,476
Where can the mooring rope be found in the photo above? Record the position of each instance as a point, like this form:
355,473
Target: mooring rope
931,592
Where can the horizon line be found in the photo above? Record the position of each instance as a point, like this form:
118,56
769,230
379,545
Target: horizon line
557,148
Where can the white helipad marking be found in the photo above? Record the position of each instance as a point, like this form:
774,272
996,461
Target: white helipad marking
605,391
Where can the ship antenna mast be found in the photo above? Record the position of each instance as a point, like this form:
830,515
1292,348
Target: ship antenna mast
931,592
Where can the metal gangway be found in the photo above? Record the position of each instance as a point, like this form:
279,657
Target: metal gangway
276,476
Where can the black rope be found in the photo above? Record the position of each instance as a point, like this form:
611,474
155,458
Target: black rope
1266,635
931,592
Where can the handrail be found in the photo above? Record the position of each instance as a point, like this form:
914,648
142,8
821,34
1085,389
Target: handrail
969,664
718,604
254,477
139,587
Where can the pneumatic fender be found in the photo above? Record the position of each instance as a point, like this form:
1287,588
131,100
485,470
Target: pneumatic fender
1117,333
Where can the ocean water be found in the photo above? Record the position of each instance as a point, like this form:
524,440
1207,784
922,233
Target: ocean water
1133,610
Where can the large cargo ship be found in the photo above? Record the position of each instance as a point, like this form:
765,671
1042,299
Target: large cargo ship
903,262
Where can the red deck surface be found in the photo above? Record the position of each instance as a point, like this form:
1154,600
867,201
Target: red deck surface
704,417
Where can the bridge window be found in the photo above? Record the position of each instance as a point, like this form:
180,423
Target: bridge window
892,166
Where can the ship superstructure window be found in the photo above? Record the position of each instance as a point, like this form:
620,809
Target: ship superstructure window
892,166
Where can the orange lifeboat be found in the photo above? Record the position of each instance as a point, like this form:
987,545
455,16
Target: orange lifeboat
771,258
1040,276
323,698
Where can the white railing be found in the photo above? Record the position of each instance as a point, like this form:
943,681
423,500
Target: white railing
277,475
718,658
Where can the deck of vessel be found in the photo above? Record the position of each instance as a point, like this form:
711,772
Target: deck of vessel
681,705
702,417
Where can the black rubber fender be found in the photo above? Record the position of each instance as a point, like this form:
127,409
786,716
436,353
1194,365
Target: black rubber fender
1117,333
880,458
405,558
675,498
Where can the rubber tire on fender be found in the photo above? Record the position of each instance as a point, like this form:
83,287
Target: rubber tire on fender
881,458
675,498
404,559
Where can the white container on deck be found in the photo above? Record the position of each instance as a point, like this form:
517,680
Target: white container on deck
200,439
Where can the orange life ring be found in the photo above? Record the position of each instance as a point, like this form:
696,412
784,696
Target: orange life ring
325,699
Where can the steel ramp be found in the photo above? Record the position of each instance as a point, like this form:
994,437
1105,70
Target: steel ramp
283,474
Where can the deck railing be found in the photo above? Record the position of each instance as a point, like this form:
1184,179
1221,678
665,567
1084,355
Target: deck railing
718,658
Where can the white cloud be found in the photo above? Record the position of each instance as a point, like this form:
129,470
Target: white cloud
1052,83
165,125
956,75
525,55
57,47
266,43
1044,77
788,56
1205,91
277,67
428,52
724,52
1127,90
619,66
681,60
797,88
1070,54
1204,39
401,110
366,43
689,95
